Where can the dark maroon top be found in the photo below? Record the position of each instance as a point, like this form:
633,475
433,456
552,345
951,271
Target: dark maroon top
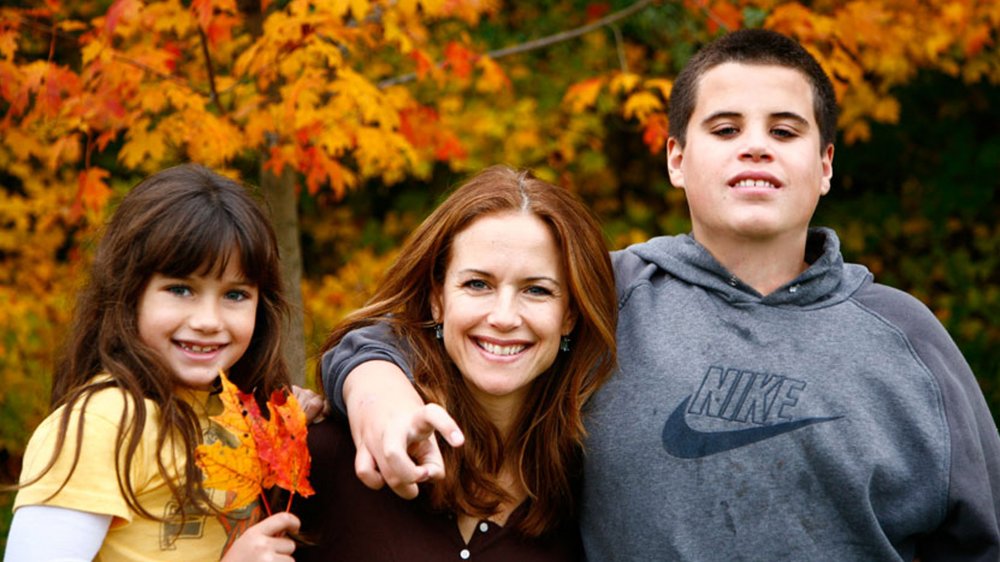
348,521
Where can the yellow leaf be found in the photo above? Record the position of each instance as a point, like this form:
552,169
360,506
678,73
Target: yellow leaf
8,43
91,51
142,144
640,105
232,418
359,9
231,469
661,85
624,83
493,78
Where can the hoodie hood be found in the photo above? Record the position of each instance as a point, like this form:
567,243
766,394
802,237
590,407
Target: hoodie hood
826,282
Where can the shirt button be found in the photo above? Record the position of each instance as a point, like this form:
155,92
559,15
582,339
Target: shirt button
484,526
465,554
793,288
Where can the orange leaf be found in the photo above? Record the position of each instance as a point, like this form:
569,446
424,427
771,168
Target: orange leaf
291,462
272,451
203,12
724,14
119,10
424,63
583,94
232,469
449,148
655,132
459,59
262,431
92,191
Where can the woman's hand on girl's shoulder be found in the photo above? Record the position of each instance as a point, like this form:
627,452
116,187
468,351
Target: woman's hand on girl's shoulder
314,406
267,541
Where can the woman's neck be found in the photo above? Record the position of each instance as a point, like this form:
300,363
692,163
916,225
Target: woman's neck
467,524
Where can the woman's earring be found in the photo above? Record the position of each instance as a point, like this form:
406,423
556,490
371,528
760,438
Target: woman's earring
439,331
564,343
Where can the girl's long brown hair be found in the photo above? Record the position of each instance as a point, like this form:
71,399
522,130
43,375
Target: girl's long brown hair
180,221
543,450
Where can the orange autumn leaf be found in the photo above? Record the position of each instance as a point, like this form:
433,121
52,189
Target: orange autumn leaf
290,464
272,451
655,132
232,469
424,63
92,191
280,441
460,59
235,469
583,95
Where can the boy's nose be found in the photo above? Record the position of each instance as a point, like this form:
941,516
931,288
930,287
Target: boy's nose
757,143
756,151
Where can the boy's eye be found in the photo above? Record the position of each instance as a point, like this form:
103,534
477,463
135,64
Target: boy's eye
725,131
179,290
784,133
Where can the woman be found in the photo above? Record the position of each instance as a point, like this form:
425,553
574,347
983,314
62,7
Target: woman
504,297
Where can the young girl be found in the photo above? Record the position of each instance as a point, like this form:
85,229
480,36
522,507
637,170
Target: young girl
185,282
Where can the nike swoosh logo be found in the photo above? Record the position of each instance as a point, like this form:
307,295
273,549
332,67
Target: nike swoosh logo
681,440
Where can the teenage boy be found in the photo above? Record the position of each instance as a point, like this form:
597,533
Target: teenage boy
772,402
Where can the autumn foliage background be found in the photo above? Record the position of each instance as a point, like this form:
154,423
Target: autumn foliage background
352,117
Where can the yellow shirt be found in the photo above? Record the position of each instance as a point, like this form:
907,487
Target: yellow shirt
93,486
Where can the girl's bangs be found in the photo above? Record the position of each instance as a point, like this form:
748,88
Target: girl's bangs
203,246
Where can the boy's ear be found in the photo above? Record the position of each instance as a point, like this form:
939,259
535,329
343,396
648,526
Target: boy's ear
826,160
675,155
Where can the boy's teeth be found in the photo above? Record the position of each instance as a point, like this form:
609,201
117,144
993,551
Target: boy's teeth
754,183
501,349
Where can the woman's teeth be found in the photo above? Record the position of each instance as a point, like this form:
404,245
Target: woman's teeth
502,349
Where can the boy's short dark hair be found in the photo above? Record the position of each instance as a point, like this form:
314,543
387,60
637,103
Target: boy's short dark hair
753,46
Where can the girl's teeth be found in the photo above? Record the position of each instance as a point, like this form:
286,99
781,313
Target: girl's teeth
502,349
199,348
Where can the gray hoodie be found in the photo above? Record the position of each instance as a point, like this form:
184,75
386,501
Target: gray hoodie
833,419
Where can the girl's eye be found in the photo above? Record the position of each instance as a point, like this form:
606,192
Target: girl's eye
237,295
179,290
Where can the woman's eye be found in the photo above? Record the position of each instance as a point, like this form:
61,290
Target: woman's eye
179,290
538,291
475,284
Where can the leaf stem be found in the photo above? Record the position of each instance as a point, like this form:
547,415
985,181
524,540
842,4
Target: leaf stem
267,506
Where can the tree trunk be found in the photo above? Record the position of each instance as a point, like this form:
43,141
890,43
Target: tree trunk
279,192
